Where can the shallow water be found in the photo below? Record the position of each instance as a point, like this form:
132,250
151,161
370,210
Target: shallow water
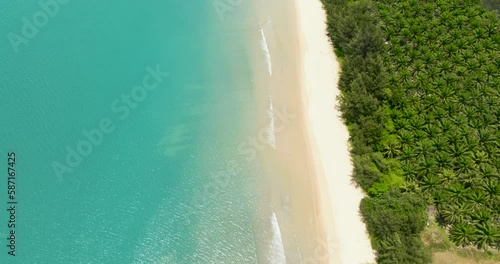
109,172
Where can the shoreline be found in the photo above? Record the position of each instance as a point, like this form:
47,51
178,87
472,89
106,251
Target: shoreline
307,176
327,137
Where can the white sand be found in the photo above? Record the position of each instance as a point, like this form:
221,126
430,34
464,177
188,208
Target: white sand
328,138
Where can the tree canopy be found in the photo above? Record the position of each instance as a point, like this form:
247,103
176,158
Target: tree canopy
421,97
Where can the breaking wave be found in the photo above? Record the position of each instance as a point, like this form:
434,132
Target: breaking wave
265,49
277,251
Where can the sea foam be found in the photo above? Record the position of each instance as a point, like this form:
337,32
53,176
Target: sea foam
265,49
276,248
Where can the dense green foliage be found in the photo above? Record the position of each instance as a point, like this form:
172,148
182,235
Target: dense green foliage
395,220
420,94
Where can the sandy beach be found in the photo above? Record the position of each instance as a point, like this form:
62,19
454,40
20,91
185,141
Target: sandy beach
308,170
328,137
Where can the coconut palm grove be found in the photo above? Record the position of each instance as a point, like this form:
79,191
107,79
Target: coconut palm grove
421,97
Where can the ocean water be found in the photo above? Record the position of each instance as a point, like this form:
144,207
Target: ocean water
125,118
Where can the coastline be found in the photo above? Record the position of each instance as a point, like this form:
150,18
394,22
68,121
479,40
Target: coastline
328,137
307,173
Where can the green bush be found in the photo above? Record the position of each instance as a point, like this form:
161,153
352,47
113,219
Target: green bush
395,221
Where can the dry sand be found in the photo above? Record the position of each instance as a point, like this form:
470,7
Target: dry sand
328,138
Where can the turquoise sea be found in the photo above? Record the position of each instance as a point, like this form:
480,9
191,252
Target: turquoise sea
108,171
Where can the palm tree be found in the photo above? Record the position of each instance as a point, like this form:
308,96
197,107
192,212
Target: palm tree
447,176
450,78
471,139
460,120
468,179
405,136
428,58
486,235
405,76
481,216
439,199
433,72
407,153
429,182
490,70
401,60
477,197
491,188
440,113
439,143
393,79
472,65
467,55
443,159
446,93
462,234
432,130
457,59
401,123
409,170
418,66
479,157
452,214
391,148
456,150
455,193
477,48
451,49
454,138
410,187
419,135
486,136
482,59
490,28
464,165
423,148
417,123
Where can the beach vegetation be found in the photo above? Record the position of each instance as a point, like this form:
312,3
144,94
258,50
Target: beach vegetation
421,97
